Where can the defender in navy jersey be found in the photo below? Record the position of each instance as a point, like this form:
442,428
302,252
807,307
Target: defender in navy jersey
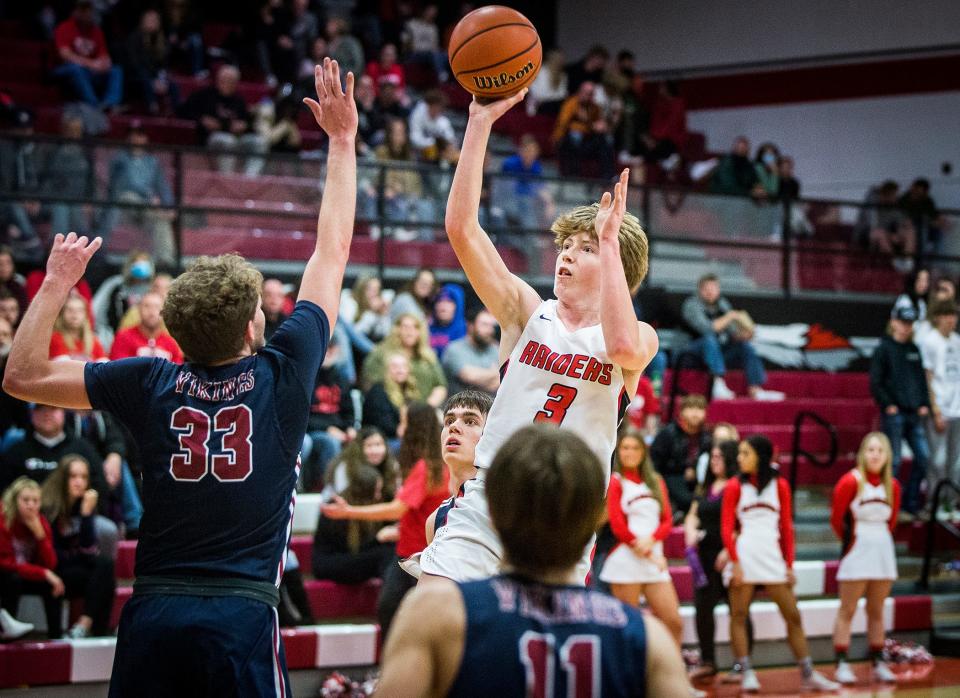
219,437
527,632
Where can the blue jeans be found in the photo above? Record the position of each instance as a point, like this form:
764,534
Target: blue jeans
716,356
86,82
132,507
909,426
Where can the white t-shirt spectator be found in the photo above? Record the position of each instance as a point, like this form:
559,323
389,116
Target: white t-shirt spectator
941,355
425,131
543,90
422,37
463,353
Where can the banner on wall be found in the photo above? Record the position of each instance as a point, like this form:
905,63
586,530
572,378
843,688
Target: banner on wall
814,347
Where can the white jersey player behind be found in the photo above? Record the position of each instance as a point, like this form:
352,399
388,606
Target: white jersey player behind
571,361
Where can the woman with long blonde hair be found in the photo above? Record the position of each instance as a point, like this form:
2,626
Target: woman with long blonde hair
866,502
73,336
409,337
385,402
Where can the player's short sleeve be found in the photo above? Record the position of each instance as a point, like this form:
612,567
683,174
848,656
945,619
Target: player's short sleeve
303,338
121,387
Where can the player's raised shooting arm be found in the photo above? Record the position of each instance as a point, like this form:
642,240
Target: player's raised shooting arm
630,344
509,299
30,374
336,113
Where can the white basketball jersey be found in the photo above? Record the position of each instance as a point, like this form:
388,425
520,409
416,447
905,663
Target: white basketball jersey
554,375
871,505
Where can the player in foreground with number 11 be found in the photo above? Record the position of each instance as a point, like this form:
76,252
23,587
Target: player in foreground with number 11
219,439
574,361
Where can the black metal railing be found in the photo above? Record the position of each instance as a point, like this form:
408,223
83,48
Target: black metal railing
932,523
797,451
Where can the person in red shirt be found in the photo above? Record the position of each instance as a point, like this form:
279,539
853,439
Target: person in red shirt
387,66
756,525
86,65
866,502
73,336
640,517
149,338
27,556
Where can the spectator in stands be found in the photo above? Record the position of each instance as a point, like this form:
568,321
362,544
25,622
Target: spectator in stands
421,40
9,308
344,48
273,44
10,281
916,287
768,170
368,449
883,227
416,296
20,172
318,50
668,126
224,122
67,172
677,448
70,503
789,185
722,335
350,551
617,78
549,89
146,63
525,200
372,122
27,556
276,123
387,66
137,177
722,431
424,488
85,63
14,413
182,29
644,410
920,208
449,320
940,351
409,337
943,290
137,278
73,336
330,424
582,133
899,386
149,338
391,100
303,29
384,403
367,308
736,174
405,199
590,68
431,132
273,299
473,362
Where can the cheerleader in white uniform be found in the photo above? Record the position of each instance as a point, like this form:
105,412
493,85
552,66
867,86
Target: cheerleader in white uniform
640,518
865,505
756,525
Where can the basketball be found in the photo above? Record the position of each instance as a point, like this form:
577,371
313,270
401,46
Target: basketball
495,52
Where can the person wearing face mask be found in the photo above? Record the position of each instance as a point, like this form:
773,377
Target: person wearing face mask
768,172
863,515
138,273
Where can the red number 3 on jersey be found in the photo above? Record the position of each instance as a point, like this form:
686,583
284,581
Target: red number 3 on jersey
559,399
193,460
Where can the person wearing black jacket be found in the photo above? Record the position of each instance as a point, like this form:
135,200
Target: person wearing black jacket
330,424
899,385
676,450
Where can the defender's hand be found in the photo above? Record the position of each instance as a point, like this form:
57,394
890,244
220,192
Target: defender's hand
334,109
69,257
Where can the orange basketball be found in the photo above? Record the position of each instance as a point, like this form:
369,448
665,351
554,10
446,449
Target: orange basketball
495,52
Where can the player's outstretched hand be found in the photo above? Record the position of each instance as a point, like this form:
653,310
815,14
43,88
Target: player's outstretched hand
69,257
612,210
334,109
491,111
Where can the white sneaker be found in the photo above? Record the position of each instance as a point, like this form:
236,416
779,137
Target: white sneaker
844,673
750,683
11,628
77,632
721,391
735,675
881,672
818,682
768,395
697,693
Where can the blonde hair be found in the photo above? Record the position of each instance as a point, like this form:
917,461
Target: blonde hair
87,335
12,494
648,474
399,395
421,352
634,248
886,475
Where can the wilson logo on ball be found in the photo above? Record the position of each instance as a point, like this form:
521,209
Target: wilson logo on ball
487,82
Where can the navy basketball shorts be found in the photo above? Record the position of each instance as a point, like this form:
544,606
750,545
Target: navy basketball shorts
177,645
